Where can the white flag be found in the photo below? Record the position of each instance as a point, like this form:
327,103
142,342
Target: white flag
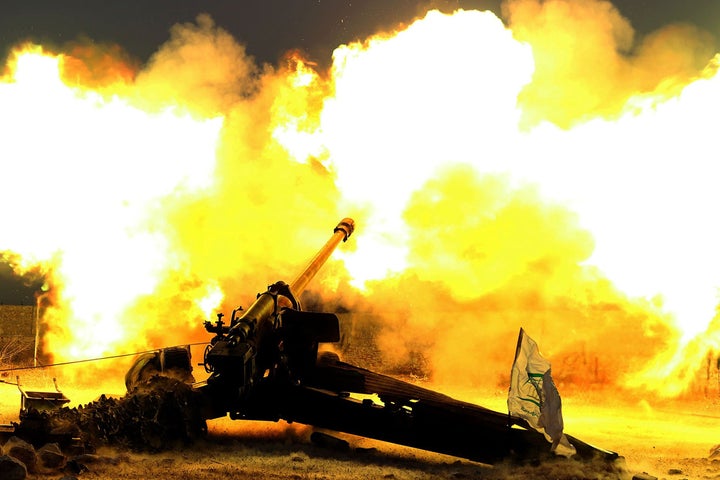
534,397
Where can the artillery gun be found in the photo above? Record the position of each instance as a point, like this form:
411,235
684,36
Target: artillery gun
264,365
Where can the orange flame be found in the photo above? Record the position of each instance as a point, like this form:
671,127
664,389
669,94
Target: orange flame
498,181
83,193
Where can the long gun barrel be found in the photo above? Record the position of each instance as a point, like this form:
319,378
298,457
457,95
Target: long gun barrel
265,307
342,232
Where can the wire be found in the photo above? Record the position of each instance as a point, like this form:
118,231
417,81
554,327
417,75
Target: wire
32,367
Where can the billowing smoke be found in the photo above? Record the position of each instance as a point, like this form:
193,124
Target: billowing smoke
501,175
589,62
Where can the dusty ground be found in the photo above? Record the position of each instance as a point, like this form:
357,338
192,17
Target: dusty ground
666,439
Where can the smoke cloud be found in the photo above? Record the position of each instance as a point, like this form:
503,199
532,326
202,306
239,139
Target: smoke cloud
501,175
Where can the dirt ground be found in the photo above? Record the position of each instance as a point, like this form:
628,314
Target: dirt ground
665,439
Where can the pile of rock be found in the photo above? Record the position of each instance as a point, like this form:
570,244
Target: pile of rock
158,414
18,458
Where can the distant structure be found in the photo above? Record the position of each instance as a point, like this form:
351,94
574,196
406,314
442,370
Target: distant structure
18,333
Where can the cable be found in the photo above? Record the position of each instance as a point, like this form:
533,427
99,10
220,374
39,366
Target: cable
32,367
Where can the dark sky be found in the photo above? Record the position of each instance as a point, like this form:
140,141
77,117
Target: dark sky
271,27
16,291
268,28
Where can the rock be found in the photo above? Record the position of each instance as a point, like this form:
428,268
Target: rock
12,468
23,451
51,457
675,471
643,476
715,451
76,468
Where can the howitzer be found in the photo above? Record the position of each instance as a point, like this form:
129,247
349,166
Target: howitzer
273,339
264,365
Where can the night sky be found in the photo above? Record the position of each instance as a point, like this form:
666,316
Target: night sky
271,27
268,28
